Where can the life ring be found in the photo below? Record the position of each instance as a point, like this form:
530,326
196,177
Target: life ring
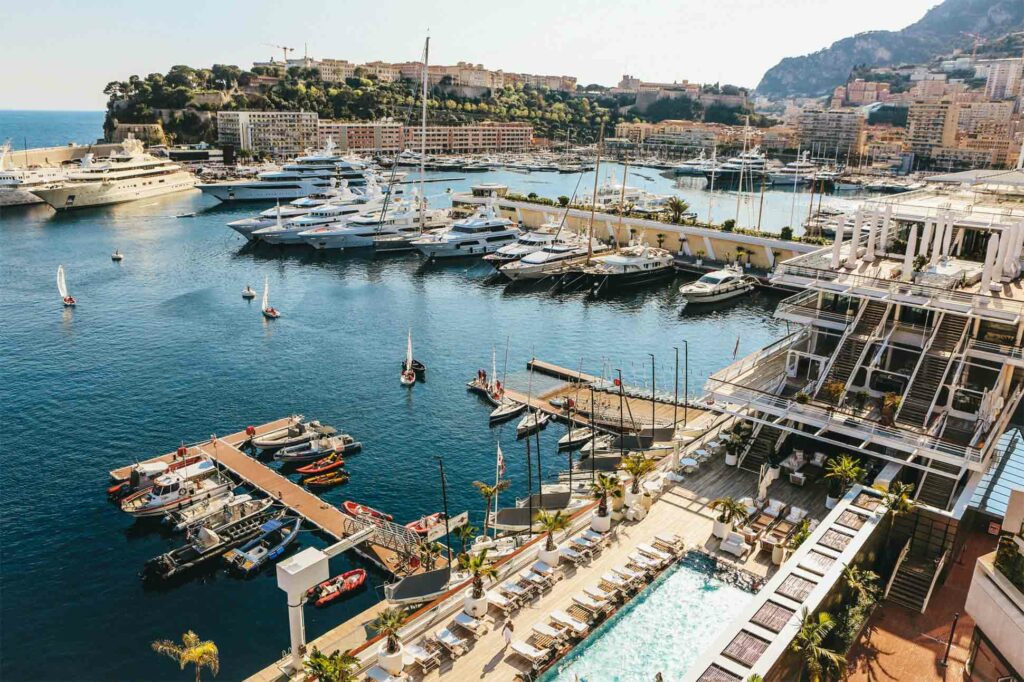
181,492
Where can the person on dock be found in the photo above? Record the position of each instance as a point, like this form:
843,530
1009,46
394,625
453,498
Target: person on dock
506,633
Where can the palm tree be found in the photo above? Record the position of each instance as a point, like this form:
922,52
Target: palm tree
817,660
897,499
334,668
843,471
729,510
551,524
192,650
428,553
389,623
478,567
676,208
604,487
465,534
637,465
488,492
862,583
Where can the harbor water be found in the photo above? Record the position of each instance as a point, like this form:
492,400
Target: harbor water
161,348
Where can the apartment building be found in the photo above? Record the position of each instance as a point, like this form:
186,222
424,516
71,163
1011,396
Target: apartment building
837,130
1004,78
931,125
277,133
378,136
482,137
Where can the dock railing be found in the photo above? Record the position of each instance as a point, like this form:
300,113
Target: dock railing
805,304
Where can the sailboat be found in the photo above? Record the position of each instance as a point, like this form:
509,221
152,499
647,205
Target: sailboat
62,287
268,312
117,256
408,377
248,293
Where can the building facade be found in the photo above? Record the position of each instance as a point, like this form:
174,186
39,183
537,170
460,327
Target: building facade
1004,79
827,131
930,126
277,133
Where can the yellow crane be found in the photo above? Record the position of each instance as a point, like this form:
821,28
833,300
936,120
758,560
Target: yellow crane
284,50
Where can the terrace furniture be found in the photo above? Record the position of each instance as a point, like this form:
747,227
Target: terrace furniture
599,594
572,556
701,455
578,627
453,644
796,478
689,464
663,557
774,507
616,580
590,604
818,460
537,580
501,602
543,569
532,654
515,591
378,674
600,539
735,544
629,574
545,630
426,660
670,540
750,504
644,561
796,515
583,546
472,625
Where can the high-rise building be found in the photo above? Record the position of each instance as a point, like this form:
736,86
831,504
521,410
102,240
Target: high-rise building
277,133
830,131
1004,78
931,125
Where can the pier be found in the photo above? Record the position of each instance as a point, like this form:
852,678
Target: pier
386,544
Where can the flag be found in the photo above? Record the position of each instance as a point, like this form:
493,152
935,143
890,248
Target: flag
501,462
736,348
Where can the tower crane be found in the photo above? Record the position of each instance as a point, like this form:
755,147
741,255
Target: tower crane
284,50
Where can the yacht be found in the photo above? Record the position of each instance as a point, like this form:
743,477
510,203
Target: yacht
16,184
326,216
127,175
695,166
749,165
631,266
551,259
799,172
611,194
293,209
400,218
484,232
719,285
547,234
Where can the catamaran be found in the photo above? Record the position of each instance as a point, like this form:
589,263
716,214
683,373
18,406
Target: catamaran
269,312
62,287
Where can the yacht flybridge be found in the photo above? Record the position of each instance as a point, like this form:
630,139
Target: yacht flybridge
360,231
485,232
549,233
127,175
552,259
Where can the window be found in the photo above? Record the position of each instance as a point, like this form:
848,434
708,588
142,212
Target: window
985,663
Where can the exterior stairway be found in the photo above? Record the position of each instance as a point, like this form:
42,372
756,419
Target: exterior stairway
936,490
757,453
849,352
930,372
910,586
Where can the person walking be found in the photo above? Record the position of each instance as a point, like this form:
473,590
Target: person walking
506,633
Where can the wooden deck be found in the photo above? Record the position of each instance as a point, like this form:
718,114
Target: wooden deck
559,372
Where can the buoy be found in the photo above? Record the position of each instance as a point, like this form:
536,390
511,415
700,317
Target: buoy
250,431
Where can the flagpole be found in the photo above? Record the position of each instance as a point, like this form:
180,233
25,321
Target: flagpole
497,478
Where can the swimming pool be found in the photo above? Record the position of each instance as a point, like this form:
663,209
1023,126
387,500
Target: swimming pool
662,630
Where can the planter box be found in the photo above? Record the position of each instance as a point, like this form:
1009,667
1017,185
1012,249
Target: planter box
721,529
392,663
476,608
601,524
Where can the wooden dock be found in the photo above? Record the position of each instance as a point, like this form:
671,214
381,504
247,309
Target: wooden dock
559,372
328,518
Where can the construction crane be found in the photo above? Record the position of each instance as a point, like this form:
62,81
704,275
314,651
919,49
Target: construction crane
977,39
284,50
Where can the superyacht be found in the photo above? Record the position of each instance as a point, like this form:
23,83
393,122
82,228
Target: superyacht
548,233
400,218
799,172
484,232
293,209
552,259
748,166
127,175
16,184
696,166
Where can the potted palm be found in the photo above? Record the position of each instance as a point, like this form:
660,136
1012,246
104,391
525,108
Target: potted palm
700,258
834,390
890,405
729,511
604,487
389,624
841,472
336,667
488,492
551,524
636,465
479,567
736,441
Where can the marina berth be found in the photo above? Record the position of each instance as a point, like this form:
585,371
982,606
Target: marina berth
483,233
216,512
360,231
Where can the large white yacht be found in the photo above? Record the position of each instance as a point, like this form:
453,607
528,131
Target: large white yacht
794,173
612,194
548,233
749,165
696,166
293,209
552,258
123,176
327,216
627,267
16,184
482,233
719,285
400,218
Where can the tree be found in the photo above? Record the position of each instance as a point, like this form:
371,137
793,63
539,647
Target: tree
786,233
191,651
465,534
604,487
488,492
428,554
729,510
389,623
337,667
728,225
637,465
479,567
676,208
898,501
817,660
551,524
842,471
563,201
862,583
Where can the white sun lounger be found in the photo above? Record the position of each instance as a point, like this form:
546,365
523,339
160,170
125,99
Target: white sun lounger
535,579
455,645
670,540
470,624
501,602
546,630
578,627
615,579
572,556
589,603
597,593
425,659
515,590
594,536
584,545
654,553
543,569
628,573
530,653
378,674
644,561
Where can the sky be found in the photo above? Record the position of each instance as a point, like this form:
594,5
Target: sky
68,51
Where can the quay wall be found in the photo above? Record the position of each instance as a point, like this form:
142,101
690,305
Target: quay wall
54,156
688,240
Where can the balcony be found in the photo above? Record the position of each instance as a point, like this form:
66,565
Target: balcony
803,309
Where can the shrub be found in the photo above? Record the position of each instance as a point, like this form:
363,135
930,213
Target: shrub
728,225
786,233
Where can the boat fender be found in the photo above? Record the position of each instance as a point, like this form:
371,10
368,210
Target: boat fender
250,431
182,451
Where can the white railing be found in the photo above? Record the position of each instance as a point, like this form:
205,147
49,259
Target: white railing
1002,350
805,304
770,351
935,578
896,568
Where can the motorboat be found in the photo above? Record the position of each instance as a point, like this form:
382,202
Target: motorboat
552,259
597,444
217,511
398,219
295,434
750,165
62,288
328,480
529,242
205,544
274,538
423,525
293,209
142,475
484,232
178,489
795,173
576,437
269,312
324,220
613,194
508,409
248,293
337,587
322,466
696,166
532,422
362,511
317,448
628,267
720,285
117,256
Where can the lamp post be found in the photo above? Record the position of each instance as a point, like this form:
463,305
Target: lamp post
686,382
444,500
622,425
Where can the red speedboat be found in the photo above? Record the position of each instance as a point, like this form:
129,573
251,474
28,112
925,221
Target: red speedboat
355,509
336,587
322,466
423,526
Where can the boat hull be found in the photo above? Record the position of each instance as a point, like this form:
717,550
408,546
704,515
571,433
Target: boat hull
601,284
90,194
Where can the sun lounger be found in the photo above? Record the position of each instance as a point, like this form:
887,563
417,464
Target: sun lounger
531,653
672,541
578,627
657,554
589,603
501,602
514,590
599,594
543,569
455,645
581,614
584,542
378,674
537,580
598,538
426,660
572,556
474,626
615,579
645,562
628,573
545,630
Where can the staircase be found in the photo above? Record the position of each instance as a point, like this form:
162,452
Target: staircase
935,490
925,383
912,583
848,354
757,453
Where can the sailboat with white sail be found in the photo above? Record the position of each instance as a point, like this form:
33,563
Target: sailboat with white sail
269,312
62,287
408,376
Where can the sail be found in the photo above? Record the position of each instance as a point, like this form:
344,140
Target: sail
266,293
494,371
62,286
408,352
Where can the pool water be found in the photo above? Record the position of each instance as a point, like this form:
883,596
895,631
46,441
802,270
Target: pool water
663,629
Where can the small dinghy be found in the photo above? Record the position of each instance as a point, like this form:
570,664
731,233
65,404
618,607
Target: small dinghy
248,293
328,480
322,466
534,421
117,256
354,509
423,525
318,449
575,438
274,538
62,287
507,410
559,402
296,434
334,588
269,312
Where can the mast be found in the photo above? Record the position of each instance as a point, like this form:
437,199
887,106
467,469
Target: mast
593,201
743,163
423,136
622,193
